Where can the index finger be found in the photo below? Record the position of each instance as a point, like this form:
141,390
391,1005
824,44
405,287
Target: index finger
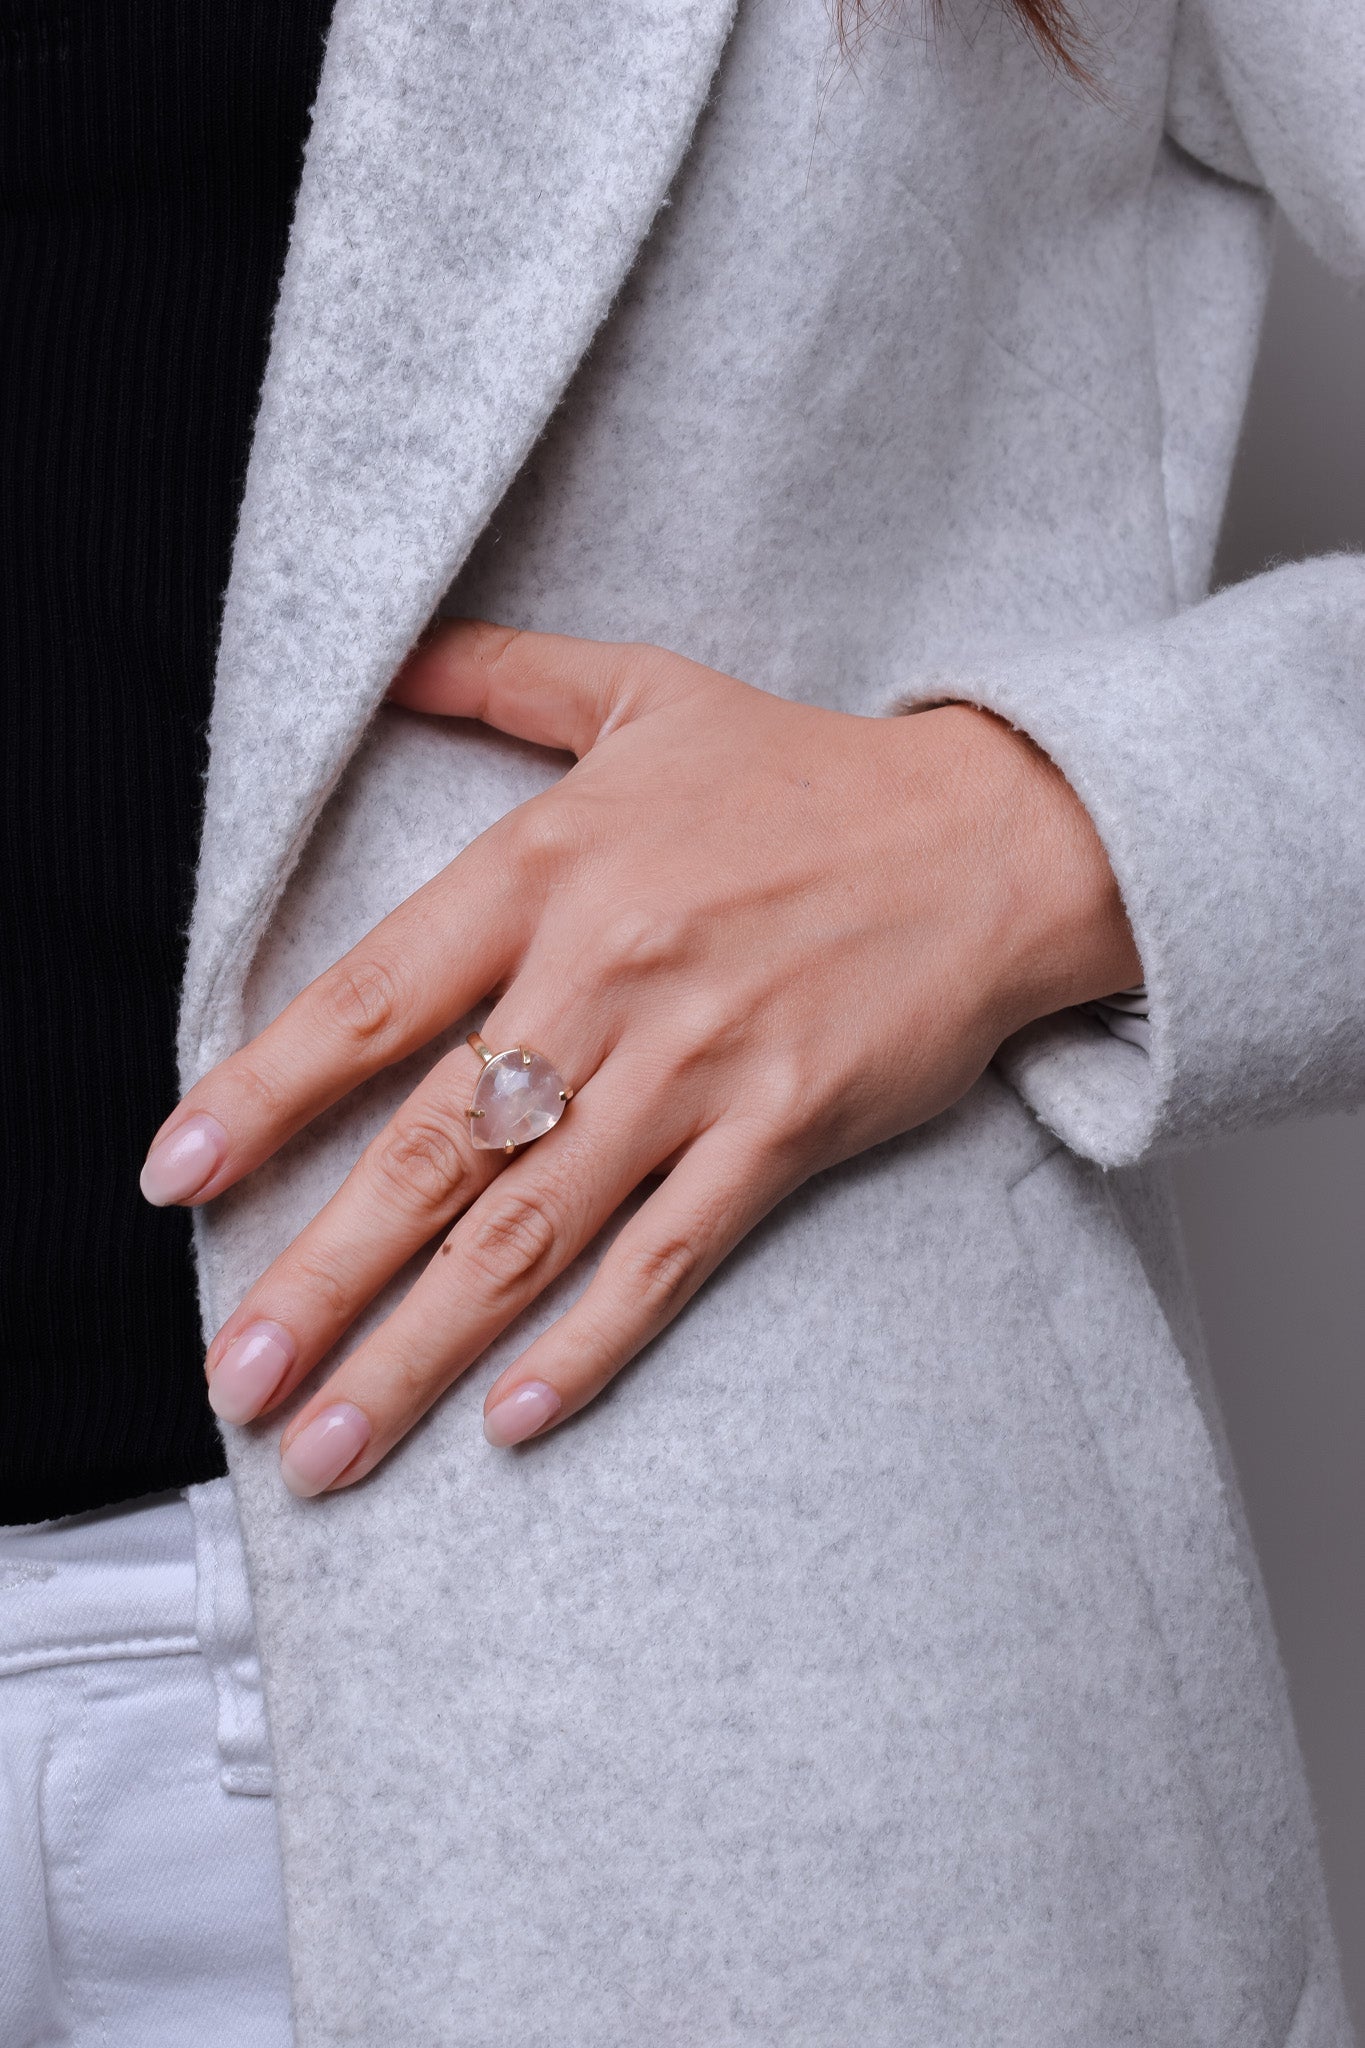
421,969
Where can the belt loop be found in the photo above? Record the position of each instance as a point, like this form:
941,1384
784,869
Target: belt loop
227,1639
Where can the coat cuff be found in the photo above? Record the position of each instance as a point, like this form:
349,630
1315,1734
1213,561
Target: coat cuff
1221,756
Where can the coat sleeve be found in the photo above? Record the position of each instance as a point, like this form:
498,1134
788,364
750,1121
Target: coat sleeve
1221,753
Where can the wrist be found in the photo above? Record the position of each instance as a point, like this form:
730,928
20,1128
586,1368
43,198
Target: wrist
1055,930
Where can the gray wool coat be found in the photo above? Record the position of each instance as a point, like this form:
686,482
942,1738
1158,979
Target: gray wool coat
881,1660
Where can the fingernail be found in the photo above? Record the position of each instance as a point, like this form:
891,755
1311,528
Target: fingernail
321,1453
179,1164
249,1371
520,1413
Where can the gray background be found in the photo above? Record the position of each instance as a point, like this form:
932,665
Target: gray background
1275,1221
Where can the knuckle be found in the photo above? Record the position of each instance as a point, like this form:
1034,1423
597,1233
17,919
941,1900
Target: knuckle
493,644
788,1098
263,1094
659,1277
411,1379
323,1283
550,836
509,1241
637,939
421,1160
362,1001
708,1028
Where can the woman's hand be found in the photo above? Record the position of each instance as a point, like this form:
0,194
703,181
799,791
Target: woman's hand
755,938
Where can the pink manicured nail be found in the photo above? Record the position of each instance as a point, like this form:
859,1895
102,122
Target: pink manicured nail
321,1453
520,1413
179,1164
249,1371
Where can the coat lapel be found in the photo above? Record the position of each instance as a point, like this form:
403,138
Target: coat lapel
478,179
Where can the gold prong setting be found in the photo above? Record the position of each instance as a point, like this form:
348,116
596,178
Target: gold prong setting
518,1097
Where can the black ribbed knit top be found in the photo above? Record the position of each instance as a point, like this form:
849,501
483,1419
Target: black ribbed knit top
149,154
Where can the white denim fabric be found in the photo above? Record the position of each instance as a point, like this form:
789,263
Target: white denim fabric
140,1894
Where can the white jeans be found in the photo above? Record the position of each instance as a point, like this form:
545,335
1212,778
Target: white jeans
140,1899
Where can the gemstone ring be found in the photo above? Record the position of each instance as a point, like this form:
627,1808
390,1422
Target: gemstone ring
517,1097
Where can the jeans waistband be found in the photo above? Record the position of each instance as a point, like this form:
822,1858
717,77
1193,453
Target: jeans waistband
157,1577
116,1583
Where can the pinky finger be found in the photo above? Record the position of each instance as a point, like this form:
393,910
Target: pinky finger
722,1186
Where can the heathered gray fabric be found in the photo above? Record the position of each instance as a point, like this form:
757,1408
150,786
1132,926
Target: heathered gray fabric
881,1659
1272,901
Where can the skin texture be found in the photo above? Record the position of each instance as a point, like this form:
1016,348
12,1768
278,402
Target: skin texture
781,934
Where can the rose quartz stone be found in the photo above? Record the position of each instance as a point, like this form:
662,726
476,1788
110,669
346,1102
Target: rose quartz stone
518,1093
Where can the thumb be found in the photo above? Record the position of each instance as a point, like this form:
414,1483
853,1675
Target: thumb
559,692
